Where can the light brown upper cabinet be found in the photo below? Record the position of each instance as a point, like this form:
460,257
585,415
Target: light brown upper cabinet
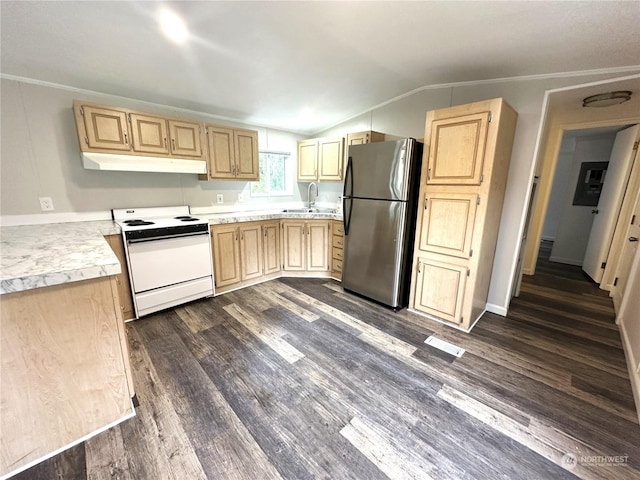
233,154
185,138
102,128
308,160
149,134
462,185
457,150
321,159
360,138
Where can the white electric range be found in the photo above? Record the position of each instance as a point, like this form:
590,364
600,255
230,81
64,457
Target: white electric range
168,256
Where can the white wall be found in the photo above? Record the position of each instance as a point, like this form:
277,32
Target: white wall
40,156
574,226
406,117
560,182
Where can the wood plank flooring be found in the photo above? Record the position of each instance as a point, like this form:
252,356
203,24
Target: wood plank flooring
297,379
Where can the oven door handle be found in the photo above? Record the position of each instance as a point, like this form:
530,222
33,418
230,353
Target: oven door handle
164,237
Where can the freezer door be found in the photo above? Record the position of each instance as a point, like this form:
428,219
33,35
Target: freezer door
379,170
373,254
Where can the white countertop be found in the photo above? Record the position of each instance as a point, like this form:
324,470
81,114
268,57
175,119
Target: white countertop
33,256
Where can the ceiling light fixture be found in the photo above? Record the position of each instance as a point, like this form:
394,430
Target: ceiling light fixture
607,99
173,26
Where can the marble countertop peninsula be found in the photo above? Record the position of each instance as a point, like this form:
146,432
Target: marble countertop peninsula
33,256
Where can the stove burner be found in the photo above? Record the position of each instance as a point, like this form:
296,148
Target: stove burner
186,218
137,223
182,217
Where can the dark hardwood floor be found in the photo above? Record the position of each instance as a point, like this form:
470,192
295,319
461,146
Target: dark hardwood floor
296,379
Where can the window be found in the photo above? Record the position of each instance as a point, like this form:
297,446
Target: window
276,177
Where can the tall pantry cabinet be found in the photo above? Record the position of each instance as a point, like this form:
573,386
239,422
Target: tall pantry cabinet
462,185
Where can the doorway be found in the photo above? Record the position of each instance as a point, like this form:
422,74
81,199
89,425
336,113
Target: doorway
590,180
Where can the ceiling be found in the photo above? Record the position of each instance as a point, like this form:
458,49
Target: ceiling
304,66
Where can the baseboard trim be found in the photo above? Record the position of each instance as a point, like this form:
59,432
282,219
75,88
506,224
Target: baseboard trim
497,309
568,261
634,375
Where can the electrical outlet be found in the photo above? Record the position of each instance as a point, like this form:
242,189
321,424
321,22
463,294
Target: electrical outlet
46,204
220,198
240,197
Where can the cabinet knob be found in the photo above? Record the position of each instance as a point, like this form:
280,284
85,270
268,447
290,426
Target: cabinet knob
633,239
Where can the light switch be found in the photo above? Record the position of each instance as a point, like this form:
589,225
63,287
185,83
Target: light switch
220,198
240,197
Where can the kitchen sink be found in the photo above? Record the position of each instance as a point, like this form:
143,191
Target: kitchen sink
309,210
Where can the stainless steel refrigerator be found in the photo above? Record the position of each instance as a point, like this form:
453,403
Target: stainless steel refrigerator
379,208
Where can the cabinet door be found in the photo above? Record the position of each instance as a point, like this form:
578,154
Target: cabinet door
318,245
148,134
105,128
226,255
250,251
457,150
359,138
447,223
294,240
185,138
246,153
222,158
440,289
307,161
271,247
330,156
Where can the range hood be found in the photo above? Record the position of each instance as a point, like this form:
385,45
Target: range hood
137,163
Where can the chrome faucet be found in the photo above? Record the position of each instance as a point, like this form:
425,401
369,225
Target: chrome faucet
309,202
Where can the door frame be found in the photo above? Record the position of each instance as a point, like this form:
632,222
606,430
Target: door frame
545,157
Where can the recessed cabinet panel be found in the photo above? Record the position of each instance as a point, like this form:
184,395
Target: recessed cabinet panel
149,134
271,247
185,138
440,289
447,223
106,128
294,245
226,255
318,247
221,152
307,161
457,150
330,155
251,251
246,152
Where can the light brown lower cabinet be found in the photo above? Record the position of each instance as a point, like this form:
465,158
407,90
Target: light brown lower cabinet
305,245
64,361
337,246
244,253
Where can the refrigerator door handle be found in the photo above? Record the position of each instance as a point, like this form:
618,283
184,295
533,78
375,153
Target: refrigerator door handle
348,181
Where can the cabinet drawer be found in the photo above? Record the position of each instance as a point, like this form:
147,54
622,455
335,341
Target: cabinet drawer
338,228
336,265
337,253
338,241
